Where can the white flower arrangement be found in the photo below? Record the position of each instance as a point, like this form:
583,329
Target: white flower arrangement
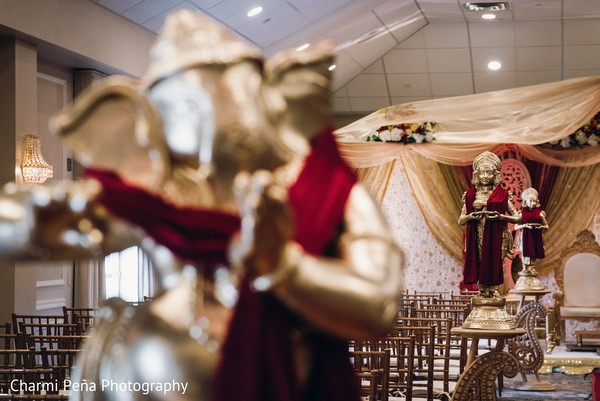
588,135
404,133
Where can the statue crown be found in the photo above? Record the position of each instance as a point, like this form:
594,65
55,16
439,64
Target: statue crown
487,158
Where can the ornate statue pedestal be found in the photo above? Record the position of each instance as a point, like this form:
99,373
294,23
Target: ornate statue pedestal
479,376
489,314
527,349
528,280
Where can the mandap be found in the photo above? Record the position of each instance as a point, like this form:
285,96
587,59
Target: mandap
552,129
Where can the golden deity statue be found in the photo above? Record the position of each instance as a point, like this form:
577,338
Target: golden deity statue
533,226
487,210
222,166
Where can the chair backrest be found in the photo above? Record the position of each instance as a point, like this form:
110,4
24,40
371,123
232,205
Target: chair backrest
17,358
82,316
449,349
402,356
423,373
68,312
417,298
54,341
578,273
18,318
373,367
50,329
457,312
8,339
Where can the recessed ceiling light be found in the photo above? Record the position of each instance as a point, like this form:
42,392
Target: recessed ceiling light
254,11
303,47
332,67
489,16
494,65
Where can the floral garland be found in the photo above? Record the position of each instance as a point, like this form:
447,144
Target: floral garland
404,133
587,135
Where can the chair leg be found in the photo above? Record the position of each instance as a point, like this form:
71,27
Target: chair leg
563,332
551,339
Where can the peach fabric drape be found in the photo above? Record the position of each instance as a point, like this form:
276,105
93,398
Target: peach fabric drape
370,154
468,125
438,192
376,179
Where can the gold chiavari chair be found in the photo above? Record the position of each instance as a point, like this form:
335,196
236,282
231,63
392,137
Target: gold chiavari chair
82,316
373,370
444,378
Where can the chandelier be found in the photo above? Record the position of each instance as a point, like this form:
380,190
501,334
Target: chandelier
34,168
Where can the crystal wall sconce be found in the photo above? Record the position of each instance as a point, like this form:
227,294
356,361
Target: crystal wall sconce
34,168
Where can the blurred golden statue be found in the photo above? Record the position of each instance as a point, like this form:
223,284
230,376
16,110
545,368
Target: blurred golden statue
487,210
312,260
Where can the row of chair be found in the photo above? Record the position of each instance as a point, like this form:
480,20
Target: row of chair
33,397
73,321
420,357
39,352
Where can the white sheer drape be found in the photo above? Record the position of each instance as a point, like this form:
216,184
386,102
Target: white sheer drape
529,115
146,276
89,283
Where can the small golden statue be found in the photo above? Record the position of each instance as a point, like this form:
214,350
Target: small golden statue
487,210
533,226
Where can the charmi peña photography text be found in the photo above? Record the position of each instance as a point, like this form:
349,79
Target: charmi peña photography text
104,385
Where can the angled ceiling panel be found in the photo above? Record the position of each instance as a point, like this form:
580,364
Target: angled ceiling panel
537,41
283,19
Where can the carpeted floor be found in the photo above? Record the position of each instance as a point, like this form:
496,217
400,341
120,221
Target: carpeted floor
568,388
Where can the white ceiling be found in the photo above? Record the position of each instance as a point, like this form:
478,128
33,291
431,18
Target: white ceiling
397,51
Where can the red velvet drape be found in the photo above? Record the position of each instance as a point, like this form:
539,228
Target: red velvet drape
197,235
257,359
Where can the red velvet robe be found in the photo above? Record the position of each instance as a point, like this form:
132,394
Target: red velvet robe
533,244
486,270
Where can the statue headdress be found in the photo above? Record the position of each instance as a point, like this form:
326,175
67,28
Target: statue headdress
529,192
190,39
491,159
488,158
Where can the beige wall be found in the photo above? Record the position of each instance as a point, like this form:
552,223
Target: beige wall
81,30
33,92
18,108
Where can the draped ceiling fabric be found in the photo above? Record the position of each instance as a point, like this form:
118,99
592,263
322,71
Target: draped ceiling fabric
513,120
